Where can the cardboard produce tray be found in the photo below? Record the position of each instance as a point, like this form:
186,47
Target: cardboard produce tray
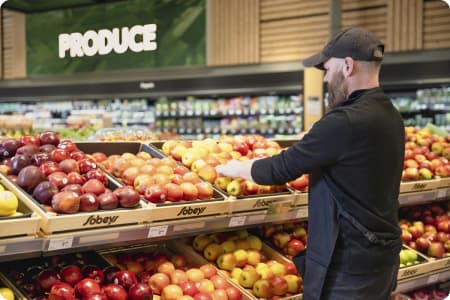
422,267
26,224
270,253
51,222
419,185
164,211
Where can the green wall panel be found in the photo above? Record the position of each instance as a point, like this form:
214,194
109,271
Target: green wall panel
180,36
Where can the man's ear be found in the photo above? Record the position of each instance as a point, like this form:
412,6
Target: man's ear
349,65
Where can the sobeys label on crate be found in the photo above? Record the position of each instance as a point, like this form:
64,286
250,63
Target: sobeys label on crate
419,186
189,211
99,220
409,272
260,203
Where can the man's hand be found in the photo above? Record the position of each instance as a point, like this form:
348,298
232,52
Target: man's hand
236,168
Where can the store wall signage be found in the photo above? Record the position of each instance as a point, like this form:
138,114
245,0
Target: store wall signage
98,220
187,210
104,41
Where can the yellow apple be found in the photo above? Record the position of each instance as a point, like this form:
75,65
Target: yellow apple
255,242
228,246
241,256
262,289
212,251
201,241
248,277
226,261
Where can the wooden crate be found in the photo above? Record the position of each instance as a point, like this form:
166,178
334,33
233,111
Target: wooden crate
27,224
272,203
164,211
418,269
52,222
419,185
270,253
444,182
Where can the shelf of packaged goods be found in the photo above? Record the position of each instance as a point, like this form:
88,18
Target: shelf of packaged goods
20,247
429,278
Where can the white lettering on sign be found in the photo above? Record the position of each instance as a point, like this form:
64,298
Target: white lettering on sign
105,41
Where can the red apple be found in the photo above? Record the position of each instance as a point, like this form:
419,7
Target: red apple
110,273
422,244
155,193
40,158
29,139
67,145
99,156
62,290
86,164
73,188
189,288
436,249
59,179
158,282
29,150
78,155
66,202
93,272
108,200
29,177
174,192
127,196
49,167
202,296
44,192
76,178
178,260
140,291
125,279
94,186
233,293
97,174
115,291
69,165
46,278
58,155
190,191
294,247
71,274
89,202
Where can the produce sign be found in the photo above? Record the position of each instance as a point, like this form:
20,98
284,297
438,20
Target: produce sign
120,35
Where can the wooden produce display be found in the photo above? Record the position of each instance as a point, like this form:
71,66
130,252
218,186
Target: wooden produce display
213,204
25,223
256,267
245,196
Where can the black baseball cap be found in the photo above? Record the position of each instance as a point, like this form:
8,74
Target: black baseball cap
356,42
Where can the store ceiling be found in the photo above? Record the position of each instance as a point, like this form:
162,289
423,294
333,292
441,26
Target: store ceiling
33,6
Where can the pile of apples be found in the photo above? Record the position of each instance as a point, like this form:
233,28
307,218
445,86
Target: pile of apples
158,180
239,256
426,154
289,238
429,293
171,277
59,176
426,229
203,156
408,257
77,277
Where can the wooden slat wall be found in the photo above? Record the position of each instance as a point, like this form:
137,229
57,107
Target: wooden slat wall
372,18
14,47
404,25
282,9
233,32
436,25
292,29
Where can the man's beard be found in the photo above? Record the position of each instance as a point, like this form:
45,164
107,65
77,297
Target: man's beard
336,91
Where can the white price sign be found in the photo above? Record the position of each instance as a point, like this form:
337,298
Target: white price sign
237,221
158,231
62,243
302,213
433,278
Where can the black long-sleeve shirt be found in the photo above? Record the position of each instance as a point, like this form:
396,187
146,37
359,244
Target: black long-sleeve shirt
358,150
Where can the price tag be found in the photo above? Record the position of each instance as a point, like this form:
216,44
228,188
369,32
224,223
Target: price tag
302,213
189,226
158,231
256,218
441,193
62,243
433,278
237,221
